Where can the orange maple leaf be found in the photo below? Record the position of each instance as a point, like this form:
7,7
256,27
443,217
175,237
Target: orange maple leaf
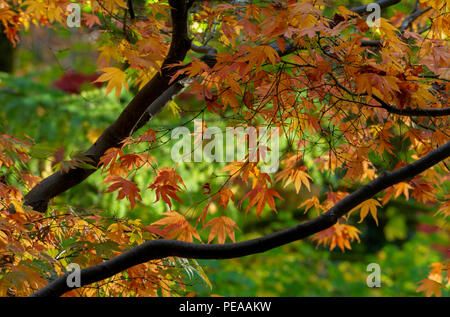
110,156
220,227
176,226
243,169
339,234
166,191
223,196
129,161
127,189
166,185
298,176
312,202
259,196
430,287
444,209
90,20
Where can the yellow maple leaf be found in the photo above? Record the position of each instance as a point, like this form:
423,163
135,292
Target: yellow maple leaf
298,176
115,78
388,30
312,202
175,108
444,209
367,206
35,7
337,235
402,188
108,52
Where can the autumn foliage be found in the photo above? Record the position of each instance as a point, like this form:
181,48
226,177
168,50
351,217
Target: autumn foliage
351,101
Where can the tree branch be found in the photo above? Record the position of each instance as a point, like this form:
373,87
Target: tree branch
208,50
57,183
371,43
412,17
382,3
417,112
131,10
158,249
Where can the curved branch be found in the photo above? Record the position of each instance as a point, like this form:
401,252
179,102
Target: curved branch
158,249
413,16
208,50
57,183
382,3
371,43
417,112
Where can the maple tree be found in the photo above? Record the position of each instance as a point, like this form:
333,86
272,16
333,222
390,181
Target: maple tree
364,108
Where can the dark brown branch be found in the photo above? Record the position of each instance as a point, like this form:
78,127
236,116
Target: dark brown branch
371,43
158,249
207,50
131,10
412,17
417,112
382,3
39,197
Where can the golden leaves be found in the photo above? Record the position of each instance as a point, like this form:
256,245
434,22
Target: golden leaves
310,203
224,196
294,172
367,206
430,287
114,5
242,169
434,283
115,77
402,188
444,209
176,226
338,235
298,176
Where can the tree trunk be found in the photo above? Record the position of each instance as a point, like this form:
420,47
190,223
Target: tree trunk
6,53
